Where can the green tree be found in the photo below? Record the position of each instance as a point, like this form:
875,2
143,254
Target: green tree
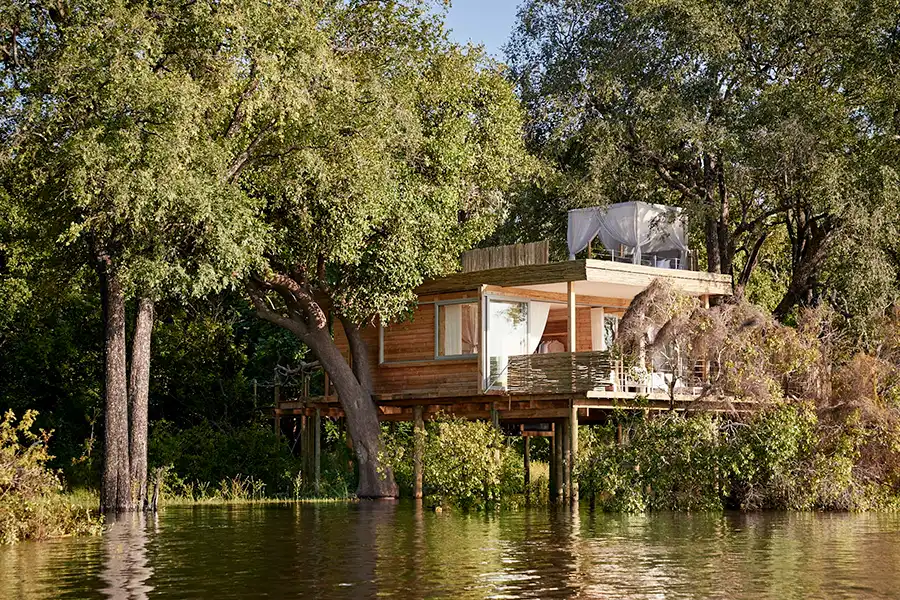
147,135
762,118
109,113
393,157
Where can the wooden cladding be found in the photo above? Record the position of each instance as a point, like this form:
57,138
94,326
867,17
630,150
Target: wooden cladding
410,368
498,257
560,373
411,340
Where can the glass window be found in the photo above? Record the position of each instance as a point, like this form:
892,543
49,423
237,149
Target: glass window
610,330
458,329
507,335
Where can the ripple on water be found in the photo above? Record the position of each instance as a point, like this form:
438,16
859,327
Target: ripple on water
368,550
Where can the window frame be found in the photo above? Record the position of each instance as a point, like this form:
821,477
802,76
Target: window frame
437,324
435,357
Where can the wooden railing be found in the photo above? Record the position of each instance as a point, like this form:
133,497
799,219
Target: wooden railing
575,372
561,372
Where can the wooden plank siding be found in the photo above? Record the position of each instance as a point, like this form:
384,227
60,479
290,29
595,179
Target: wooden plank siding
411,340
410,367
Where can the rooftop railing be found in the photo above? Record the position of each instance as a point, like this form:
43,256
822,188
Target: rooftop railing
649,260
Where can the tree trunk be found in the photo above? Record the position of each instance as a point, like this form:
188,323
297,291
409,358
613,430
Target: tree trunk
375,479
711,230
115,493
307,320
359,351
138,392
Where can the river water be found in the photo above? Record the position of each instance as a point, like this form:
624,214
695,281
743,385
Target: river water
387,550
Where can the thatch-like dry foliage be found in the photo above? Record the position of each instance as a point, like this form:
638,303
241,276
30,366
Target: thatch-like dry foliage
733,351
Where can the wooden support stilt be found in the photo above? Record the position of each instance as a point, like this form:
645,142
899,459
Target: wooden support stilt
566,462
526,452
418,450
317,449
495,416
573,452
559,471
552,479
304,450
277,413
348,441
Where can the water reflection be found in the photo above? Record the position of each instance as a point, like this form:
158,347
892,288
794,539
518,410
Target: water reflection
370,549
126,568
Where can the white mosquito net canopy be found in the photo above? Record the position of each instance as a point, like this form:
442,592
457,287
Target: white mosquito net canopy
641,228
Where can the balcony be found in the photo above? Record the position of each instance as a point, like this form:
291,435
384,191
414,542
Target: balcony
597,374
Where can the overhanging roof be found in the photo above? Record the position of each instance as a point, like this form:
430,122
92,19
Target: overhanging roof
627,278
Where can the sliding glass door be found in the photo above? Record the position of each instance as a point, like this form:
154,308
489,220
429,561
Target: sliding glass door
507,335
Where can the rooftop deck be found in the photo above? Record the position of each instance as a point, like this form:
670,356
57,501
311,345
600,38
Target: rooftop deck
621,279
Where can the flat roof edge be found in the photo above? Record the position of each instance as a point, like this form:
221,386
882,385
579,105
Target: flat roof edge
575,270
608,265
570,270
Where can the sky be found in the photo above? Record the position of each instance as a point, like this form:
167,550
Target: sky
487,22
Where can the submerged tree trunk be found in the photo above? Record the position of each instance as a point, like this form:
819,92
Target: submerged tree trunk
115,493
138,393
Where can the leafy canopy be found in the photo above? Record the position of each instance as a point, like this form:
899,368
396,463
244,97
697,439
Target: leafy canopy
397,161
773,122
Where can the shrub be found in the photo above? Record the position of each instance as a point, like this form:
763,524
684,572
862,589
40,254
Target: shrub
469,464
31,506
781,457
201,458
668,463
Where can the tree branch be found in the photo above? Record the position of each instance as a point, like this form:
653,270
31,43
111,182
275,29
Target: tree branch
237,116
243,159
257,295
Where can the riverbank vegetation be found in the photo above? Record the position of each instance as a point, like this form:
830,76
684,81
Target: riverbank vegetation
217,201
32,505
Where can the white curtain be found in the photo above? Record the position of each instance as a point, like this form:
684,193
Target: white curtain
452,329
639,226
584,225
598,331
537,321
469,329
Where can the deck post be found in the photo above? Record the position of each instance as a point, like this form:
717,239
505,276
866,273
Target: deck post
495,416
558,472
277,413
526,451
552,475
704,365
601,343
564,494
317,448
418,449
573,452
304,448
572,323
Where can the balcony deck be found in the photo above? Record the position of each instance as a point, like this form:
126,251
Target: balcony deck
540,387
